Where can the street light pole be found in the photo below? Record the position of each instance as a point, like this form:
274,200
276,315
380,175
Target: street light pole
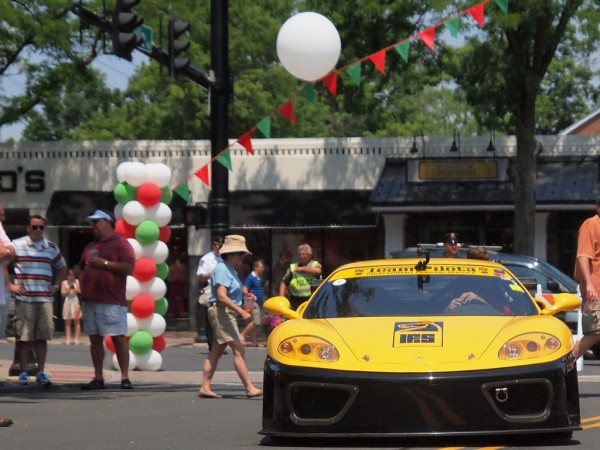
220,89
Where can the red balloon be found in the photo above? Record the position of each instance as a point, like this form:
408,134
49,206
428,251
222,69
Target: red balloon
164,234
144,269
110,345
124,229
159,343
149,194
142,306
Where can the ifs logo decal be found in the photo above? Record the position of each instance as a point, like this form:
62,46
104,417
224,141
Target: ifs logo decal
418,334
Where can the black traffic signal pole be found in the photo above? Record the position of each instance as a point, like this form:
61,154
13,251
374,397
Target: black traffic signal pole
220,89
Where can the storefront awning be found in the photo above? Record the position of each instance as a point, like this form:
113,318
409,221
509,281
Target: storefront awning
559,186
300,209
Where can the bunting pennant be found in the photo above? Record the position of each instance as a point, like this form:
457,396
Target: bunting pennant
428,37
287,111
402,50
264,126
354,72
183,191
225,159
476,12
378,59
310,94
246,142
202,174
503,5
331,82
453,26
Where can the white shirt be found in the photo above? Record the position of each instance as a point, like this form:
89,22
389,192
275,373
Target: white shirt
6,242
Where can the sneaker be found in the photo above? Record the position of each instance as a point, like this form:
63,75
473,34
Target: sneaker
126,384
42,379
93,385
24,379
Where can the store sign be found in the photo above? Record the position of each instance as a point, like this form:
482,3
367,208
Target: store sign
31,180
458,170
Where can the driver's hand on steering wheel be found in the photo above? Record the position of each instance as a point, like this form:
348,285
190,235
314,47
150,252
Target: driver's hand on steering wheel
463,299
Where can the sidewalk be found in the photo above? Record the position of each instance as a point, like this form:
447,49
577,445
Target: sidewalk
73,375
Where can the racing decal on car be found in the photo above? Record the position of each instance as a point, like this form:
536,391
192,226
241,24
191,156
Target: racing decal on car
418,334
431,269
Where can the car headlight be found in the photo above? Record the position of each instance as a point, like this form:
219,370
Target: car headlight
529,345
308,348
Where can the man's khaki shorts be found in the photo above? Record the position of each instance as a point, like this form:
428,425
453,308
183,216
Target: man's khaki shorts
590,319
34,321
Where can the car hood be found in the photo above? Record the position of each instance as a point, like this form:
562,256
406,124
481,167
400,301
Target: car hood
422,341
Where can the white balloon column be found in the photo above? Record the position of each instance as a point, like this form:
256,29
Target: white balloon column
143,215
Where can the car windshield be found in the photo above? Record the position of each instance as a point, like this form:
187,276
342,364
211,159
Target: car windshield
419,295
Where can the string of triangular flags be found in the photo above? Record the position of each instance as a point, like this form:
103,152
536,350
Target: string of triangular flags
353,70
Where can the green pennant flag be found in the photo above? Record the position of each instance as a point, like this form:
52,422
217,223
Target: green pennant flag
310,94
354,72
225,159
503,5
402,50
183,191
453,26
264,126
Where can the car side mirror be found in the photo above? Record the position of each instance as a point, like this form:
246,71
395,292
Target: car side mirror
280,306
562,302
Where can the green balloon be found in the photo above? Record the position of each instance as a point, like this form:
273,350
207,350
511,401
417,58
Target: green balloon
161,306
167,195
124,193
140,342
147,232
162,270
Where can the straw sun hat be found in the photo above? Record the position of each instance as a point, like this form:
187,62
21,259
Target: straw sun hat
234,243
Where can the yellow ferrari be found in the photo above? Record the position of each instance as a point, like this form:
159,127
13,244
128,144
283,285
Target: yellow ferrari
420,347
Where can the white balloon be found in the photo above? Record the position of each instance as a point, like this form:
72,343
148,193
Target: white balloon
308,46
118,211
160,213
136,173
151,360
132,324
133,363
134,212
157,251
132,287
137,247
159,173
155,287
155,324
122,171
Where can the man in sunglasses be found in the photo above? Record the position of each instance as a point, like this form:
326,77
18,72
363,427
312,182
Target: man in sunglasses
39,270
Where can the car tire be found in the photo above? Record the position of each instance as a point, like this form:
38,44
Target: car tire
596,350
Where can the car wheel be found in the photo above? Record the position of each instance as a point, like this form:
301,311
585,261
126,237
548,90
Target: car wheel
596,350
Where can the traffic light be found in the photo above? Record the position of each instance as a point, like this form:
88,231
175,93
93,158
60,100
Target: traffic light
176,46
124,40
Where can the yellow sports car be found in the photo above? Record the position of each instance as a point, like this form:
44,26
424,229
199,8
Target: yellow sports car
420,347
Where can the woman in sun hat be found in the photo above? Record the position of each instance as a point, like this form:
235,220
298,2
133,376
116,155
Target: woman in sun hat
224,306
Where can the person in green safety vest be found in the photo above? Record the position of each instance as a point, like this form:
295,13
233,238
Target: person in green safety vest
298,277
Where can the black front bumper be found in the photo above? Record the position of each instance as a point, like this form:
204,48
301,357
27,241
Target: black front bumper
532,399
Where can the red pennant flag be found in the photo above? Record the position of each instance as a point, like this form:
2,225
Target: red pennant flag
476,12
428,37
287,111
246,142
378,59
203,174
331,82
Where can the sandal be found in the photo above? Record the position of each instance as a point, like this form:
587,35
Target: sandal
5,422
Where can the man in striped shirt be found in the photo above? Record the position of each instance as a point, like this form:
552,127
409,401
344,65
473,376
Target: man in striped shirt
39,270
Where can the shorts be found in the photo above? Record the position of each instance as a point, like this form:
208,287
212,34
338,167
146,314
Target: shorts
34,321
256,314
103,319
224,324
